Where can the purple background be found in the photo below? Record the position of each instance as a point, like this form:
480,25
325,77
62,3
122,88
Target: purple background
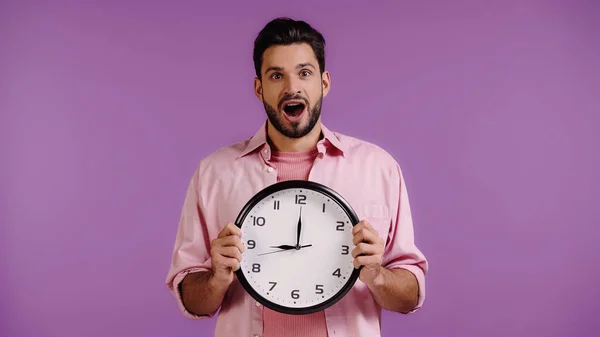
490,108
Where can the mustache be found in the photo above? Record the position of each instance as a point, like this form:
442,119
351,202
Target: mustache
292,97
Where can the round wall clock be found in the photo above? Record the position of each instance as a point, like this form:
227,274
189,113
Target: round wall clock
298,237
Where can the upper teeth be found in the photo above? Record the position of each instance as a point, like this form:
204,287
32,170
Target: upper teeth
293,104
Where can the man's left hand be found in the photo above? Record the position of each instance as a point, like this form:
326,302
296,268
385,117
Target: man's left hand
368,252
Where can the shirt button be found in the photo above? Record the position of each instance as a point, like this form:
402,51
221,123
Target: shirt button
257,304
266,150
270,169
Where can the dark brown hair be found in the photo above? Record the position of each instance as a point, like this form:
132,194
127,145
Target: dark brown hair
286,31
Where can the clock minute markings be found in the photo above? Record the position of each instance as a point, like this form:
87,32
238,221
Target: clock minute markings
299,198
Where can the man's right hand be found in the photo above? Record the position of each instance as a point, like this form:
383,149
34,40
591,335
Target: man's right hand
226,253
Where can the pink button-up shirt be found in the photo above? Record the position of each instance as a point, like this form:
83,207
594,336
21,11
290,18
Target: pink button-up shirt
364,174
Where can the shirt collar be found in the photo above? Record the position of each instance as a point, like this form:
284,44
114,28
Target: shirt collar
260,139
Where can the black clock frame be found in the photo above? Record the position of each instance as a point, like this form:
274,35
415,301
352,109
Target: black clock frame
297,184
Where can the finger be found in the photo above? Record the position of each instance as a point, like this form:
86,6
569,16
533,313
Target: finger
231,240
363,224
229,252
230,229
367,225
364,235
223,262
365,260
366,249
356,228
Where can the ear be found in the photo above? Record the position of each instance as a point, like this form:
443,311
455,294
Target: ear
325,82
258,90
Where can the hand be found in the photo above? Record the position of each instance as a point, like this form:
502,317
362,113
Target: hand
226,253
368,252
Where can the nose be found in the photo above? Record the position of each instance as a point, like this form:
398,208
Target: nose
292,86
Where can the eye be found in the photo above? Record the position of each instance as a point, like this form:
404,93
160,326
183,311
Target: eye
304,73
276,76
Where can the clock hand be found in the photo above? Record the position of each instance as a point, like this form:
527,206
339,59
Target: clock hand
299,229
283,249
288,247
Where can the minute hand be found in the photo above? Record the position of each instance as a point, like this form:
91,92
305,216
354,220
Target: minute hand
283,248
299,228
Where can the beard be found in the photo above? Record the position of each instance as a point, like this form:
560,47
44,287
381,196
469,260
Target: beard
295,130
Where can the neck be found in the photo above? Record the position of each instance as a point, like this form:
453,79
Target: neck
286,144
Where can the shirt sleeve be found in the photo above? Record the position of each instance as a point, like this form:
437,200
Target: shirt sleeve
401,251
191,252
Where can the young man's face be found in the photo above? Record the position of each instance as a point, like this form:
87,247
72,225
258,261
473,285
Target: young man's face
292,88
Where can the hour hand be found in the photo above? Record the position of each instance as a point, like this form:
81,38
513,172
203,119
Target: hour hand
287,247
284,247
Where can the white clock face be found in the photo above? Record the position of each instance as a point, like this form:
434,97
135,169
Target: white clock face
287,276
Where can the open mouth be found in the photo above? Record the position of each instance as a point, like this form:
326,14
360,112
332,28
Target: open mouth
293,109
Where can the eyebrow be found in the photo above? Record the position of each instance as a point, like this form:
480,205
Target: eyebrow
301,65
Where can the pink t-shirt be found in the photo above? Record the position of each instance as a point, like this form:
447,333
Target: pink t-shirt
293,166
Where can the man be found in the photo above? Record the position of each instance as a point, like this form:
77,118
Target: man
291,82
